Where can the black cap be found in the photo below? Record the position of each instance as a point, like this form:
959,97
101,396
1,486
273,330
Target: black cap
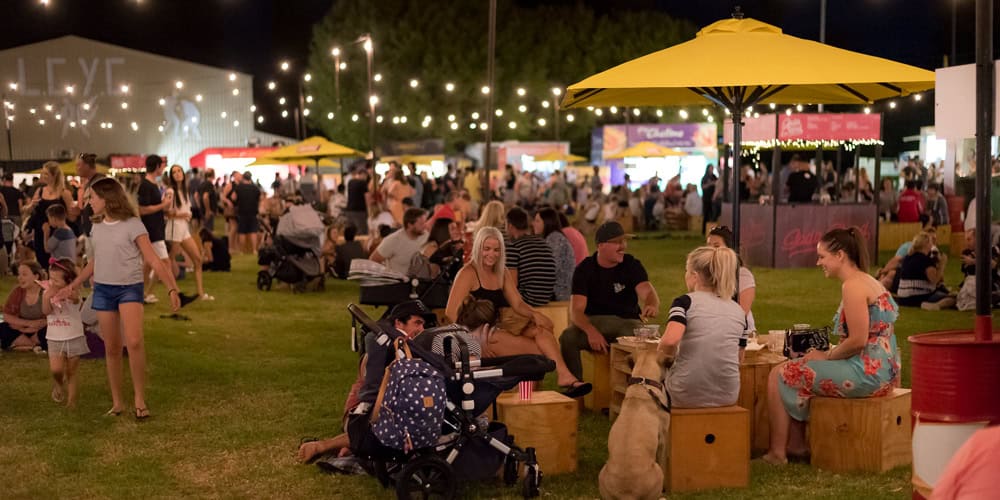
404,310
611,231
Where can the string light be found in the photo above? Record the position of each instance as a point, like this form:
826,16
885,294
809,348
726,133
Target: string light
868,110
472,126
253,108
522,108
450,87
772,105
521,92
284,113
598,112
798,107
134,126
86,106
475,115
236,92
198,98
451,118
570,118
414,83
541,122
788,112
917,97
335,52
379,118
378,77
402,119
285,65
232,77
236,123
329,116
162,102
704,111
48,107
892,104
307,77
354,117
32,111
613,110
683,114
483,126
271,85
305,112
281,101
454,125
309,98
635,111
260,119
343,66
179,84
223,114
70,89
499,112
395,120
512,125
659,113
124,89
545,104
124,105
485,90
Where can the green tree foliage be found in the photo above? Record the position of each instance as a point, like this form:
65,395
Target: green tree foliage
437,42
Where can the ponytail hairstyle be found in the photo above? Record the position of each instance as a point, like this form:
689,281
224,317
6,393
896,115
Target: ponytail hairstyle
851,242
716,267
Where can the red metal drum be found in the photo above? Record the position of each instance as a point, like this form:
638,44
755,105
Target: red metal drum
955,380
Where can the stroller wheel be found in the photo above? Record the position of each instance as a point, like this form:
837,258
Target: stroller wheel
426,477
510,466
263,281
532,482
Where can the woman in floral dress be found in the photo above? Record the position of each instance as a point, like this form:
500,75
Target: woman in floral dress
861,366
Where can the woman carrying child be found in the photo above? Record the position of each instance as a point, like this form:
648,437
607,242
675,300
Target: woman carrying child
121,244
65,332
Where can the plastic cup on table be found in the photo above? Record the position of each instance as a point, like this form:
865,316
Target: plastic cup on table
525,388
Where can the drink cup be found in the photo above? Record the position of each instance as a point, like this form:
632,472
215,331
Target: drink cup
647,332
776,340
525,388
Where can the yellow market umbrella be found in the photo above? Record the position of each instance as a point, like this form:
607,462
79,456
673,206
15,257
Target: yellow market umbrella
761,66
323,163
558,156
311,149
69,168
647,149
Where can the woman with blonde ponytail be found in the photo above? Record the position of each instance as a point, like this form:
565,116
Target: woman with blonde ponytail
705,329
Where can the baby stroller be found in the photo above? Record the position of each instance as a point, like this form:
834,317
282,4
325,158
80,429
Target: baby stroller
294,255
471,447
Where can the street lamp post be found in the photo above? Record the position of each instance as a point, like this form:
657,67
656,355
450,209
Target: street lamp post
336,75
372,99
8,120
556,92
822,33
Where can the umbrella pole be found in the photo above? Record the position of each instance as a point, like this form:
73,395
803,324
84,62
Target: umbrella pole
737,112
985,95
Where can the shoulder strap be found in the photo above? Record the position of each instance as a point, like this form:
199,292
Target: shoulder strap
399,346
479,281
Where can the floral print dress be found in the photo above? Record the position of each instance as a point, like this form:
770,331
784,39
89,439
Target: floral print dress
871,373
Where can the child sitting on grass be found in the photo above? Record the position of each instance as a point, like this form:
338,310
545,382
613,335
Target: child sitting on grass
65,332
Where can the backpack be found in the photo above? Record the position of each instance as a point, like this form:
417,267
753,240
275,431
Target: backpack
409,411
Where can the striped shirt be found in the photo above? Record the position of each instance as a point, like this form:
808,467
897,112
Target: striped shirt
532,258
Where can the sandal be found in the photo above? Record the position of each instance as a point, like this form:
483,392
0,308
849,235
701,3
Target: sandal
141,414
769,459
57,394
577,389
113,413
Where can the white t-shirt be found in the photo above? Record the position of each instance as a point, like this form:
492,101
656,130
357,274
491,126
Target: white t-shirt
747,281
117,259
398,248
64,322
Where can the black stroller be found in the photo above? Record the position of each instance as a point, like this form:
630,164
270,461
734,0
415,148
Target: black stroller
293,257
472,447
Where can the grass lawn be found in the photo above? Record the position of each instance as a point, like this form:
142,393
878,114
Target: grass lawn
233,391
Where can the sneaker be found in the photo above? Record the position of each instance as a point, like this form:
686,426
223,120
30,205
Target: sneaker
39,351
150,299
206,297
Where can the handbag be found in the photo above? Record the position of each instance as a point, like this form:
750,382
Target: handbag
798,341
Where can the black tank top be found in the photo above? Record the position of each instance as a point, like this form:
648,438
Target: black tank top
482,293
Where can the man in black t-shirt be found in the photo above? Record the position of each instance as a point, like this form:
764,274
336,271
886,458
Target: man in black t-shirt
209,199
247,206
13,197
151,207
356,211
801,184
607,290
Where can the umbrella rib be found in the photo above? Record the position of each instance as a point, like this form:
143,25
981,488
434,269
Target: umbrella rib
891,87
771,91
854,92
715,95
586,94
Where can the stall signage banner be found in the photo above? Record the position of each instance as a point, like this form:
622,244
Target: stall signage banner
800,227
424,147
762,128
829,126
130,162
674,135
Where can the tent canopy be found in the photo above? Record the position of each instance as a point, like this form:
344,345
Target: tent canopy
559,156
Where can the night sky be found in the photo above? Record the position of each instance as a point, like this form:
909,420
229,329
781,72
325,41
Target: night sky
253,35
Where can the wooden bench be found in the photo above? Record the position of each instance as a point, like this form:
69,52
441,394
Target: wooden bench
707,448
548,423
754,370
866,434
597,371
893,234
558,313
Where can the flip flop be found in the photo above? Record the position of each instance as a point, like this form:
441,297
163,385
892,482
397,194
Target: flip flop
142,414
578,389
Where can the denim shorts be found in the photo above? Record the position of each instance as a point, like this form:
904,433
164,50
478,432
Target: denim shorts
109,297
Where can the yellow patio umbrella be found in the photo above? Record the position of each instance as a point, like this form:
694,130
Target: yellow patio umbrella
314,150
69,168
738,63
559,156
647,149
324,163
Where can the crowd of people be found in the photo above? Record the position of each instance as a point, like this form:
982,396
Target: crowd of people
504,254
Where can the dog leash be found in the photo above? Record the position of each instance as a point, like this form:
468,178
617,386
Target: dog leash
647,383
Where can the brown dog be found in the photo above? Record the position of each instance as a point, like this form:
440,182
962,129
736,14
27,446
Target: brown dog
632,471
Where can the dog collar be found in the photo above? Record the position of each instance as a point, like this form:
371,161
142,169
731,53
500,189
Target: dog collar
643,381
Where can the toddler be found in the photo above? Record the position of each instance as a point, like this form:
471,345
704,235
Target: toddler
65,332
